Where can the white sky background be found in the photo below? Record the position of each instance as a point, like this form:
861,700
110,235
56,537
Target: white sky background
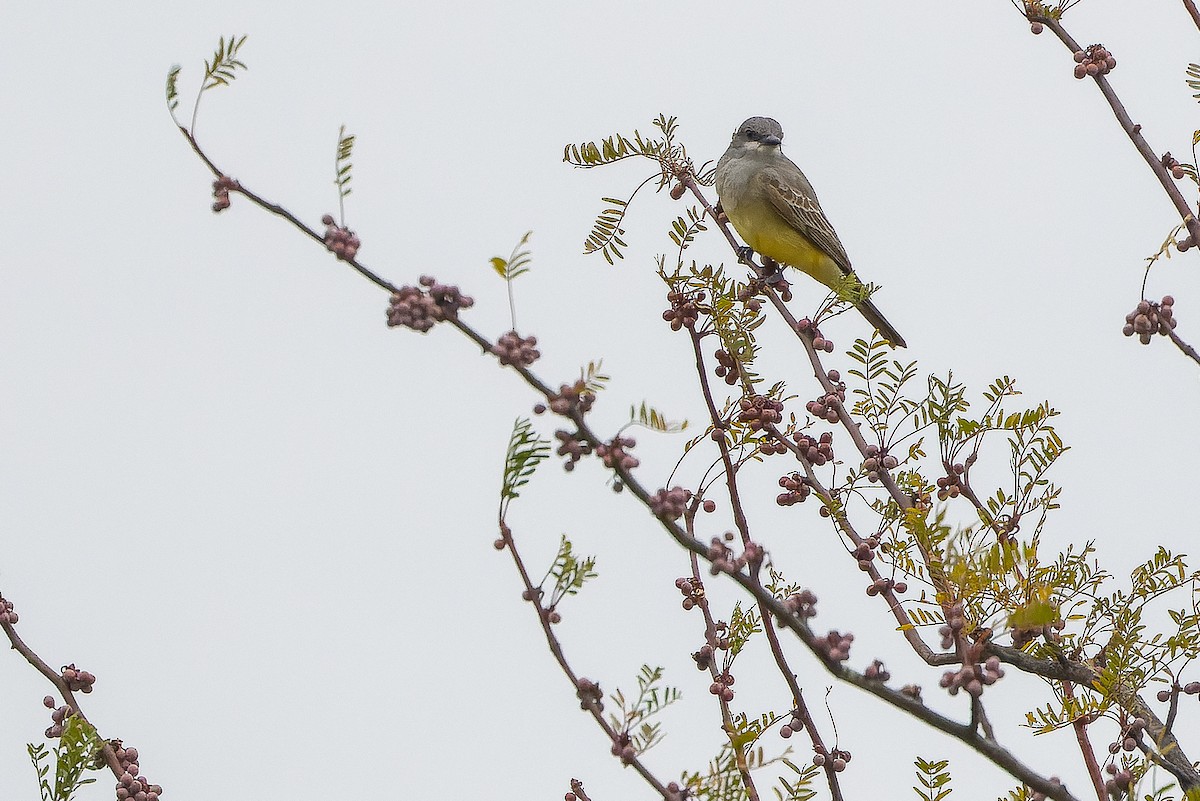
264,520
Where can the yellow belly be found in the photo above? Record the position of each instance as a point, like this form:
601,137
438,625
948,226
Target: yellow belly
769,235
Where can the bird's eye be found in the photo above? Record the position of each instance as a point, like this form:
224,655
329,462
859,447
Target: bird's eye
750,134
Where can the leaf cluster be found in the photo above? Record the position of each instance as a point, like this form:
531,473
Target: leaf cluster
524,453
722,779
343,168
593,376
635,716
672,161
733,320
934,779
518,262
569,572
222,69
653,419
75,753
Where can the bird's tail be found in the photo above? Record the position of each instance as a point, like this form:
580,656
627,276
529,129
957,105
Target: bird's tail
886,330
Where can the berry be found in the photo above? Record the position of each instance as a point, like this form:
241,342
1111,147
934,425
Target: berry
1095,60
512,348
418,309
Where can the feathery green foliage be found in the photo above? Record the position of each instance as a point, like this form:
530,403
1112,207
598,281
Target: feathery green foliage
593,377
221,71
683,232
517,264
731,317
172,88
653,419
634,717
722,780
1193,80
934,778
881,398
342,167
743,624
569,572
74,754
525,451
673,163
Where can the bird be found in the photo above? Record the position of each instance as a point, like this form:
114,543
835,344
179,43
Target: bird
775,210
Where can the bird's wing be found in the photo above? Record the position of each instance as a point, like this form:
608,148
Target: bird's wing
802,211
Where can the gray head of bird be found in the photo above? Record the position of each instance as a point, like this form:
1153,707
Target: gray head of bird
758,132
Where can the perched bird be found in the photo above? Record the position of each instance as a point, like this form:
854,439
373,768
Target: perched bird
775,210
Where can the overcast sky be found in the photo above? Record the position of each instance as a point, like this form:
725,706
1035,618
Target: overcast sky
264,520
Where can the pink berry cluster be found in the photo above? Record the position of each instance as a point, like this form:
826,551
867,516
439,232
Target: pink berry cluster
685,309
795,489
622,748
670,504
726,367
58,715
1131,734
837,758
571,447
704,657
221,188
512,348
883,584
950,485
951,630
1038,795
878,458
793,726
864,553
836,645
802,604
722,686
972,677
419,309
748,295
677,793
1095,60
759,411
569,399
1172,164
771,275
8,617
589,694
1150,318
77,680
876,671
828,404
819,341
1119,782
769,446
132,786
340,241
692,590
1191,688
816,452
1050,632
1036,28
615,453
722,559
